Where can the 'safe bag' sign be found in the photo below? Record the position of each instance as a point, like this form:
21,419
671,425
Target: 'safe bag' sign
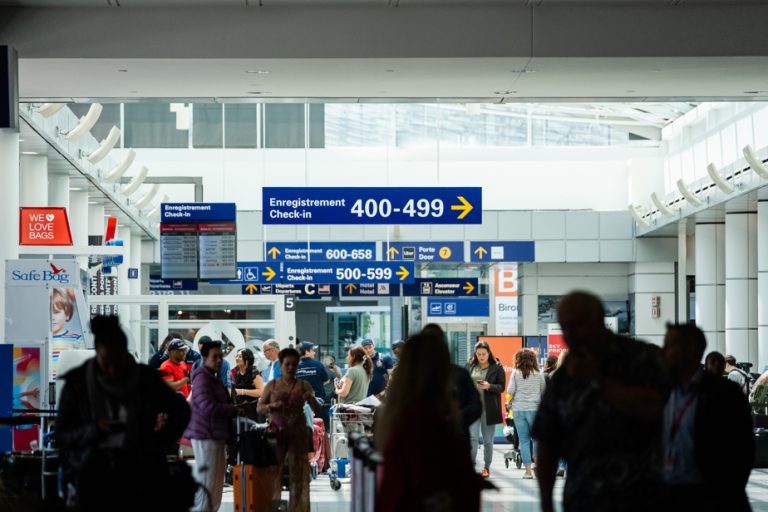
44,226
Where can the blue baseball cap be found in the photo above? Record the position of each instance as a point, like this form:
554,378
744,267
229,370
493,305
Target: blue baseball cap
177,345
306,346
365,343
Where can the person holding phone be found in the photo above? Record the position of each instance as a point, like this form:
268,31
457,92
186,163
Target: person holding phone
490,380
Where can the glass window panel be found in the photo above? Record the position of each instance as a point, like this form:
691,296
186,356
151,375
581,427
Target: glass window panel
730,151
689,173
316,125
240,129
152,125
110,116
284,125
760,123
700,159
714,150
744,134
357,124
203,312
207,127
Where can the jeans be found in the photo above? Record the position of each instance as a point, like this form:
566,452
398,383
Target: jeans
524,424
210,467
487,431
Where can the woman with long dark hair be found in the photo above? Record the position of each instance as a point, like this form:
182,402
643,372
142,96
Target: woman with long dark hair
490,379
526,386
426,457
248,383
353,387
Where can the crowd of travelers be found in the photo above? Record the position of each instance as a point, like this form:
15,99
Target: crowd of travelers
632,426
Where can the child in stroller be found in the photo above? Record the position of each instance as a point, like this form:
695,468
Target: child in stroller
510,432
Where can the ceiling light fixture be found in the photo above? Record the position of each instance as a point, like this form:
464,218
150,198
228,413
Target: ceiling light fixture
30,153
104,148
85,124
718,180
149,196
258,71
755,163
123,166
75,189
661,206
136,182
687,194
638,218
48,109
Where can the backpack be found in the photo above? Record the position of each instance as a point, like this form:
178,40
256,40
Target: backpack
747,387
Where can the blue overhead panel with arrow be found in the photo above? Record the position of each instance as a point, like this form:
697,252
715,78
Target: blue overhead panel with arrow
372,205
493,252
320,251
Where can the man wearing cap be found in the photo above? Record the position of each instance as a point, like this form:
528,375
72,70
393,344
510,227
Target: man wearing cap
314,372
174,370
382,367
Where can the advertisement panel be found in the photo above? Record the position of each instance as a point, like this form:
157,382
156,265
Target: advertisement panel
27,394
44,226
505,300
555,341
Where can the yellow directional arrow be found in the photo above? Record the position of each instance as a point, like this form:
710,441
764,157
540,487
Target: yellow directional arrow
350,287
251,289
481,251
402,273
464,207
274,251
468,288
269,274
392,252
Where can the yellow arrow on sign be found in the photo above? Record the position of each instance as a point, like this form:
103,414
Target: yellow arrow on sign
274,251
251,289
481,251
403,273
464,207
468,288
350,287
392,252
269,274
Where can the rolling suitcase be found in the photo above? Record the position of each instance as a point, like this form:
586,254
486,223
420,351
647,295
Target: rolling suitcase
252,488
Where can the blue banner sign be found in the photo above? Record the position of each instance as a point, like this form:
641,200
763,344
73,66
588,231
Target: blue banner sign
481,252
300,291
198,212
442,287
320,251
253,272
370,290
347,272
426,252
458,307
374,205
158,284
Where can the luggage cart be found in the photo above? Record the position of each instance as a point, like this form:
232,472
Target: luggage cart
346,420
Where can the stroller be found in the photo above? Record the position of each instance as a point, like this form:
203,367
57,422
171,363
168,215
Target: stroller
510,432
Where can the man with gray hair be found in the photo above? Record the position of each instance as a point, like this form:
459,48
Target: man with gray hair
271,349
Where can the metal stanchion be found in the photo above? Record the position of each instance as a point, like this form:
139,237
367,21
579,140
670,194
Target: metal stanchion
357,492
372,464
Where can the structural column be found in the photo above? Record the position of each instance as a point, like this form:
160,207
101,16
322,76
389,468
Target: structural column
710,283
33,177
58,190
741,285
762,285
649,283
78,222
9,210
682,267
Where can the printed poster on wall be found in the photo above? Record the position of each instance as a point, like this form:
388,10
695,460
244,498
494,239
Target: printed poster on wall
66,331
505,300
27,382
555,342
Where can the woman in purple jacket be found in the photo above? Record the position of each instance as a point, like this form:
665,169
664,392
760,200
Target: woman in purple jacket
210,427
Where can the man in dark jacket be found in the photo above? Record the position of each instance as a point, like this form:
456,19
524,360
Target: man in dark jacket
115,419
703,410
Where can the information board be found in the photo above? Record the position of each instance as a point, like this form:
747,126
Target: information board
305,291
218,250
372,205
320,251
347,272
178,251
425,252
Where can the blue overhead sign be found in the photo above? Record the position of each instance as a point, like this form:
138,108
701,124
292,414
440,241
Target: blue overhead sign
252,272
300,291
198,212
425,252
347,272
373,205
442,287
370,290
158,284
483,252
320,251
458,307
